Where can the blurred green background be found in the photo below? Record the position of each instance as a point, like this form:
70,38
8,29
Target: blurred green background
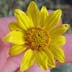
7,7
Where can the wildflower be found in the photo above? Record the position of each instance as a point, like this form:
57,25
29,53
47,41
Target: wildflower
38,34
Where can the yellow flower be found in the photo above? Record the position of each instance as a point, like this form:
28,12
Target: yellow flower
38,34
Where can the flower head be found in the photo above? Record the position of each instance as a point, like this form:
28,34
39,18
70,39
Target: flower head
38,34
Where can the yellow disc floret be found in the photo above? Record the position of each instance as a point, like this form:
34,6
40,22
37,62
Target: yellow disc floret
37,38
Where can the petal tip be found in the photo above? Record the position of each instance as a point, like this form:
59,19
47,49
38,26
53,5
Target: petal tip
62,60
21,69
59,11
66,26
5,38
32,2
17,11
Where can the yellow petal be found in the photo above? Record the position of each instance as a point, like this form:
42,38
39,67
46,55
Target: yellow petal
41,59
14,26
27,61
42,16
58,53
51,61
59,30
53,19
60,40
15,37
32,12
23,20
16,50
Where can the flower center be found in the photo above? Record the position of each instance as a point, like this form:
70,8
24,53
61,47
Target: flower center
37,38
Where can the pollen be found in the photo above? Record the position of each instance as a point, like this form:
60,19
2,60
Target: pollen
37,38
